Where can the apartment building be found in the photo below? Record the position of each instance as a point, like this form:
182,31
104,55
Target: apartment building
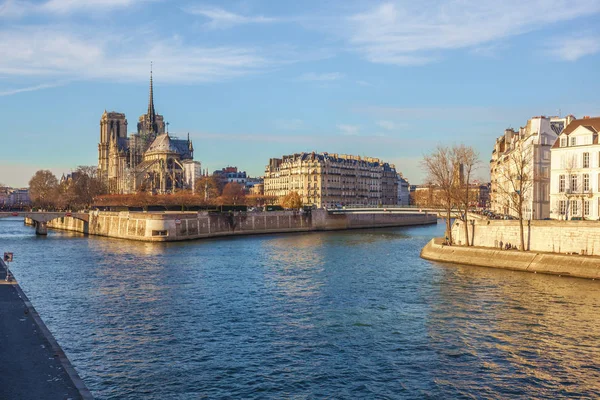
330,180
575,171
531,143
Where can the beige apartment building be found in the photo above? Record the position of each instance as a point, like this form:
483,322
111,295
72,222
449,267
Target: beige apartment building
531,145
330,180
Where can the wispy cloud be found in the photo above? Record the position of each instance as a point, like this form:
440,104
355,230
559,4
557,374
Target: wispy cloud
574,47
72,6
221,18
406,33
289,124
19,8
363,83
56,53
389,125
10,92
349,129
323,77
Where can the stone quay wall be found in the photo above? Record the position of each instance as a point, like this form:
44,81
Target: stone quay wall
175,226
527,261
580,237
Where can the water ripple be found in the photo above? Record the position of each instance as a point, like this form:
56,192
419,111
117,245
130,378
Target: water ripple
324,315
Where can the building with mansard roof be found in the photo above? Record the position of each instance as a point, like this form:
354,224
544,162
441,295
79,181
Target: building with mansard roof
329,180
149,160
525,152
575,171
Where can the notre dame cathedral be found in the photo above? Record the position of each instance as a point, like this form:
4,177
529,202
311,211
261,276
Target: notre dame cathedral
150,160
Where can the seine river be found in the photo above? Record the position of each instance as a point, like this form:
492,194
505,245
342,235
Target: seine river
353,314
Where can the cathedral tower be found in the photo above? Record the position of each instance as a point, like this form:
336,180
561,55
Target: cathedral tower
112,125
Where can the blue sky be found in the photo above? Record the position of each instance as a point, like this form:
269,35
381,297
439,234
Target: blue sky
250,80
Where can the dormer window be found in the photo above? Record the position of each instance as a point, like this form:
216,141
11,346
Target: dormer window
563,142
573,141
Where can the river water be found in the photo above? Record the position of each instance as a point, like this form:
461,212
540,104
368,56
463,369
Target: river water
354,314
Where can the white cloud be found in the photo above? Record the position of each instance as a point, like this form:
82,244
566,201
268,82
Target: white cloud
407,33
19,8
574,47
10,92
363,83
221,19
324,77
389,125
349,129
71,6
55,53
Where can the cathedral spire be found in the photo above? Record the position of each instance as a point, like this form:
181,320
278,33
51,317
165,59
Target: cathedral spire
151,112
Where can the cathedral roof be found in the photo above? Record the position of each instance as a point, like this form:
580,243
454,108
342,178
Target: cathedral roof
163,144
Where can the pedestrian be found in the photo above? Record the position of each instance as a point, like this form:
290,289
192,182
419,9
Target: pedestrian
501,244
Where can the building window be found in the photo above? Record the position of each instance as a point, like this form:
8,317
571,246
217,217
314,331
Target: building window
563,142
586,207
563,206
586,182
586,160
573,183
545,172
546,155
561,183
574,210
573,141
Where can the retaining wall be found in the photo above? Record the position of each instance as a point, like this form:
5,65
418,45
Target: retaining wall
546,263
581,237
174,226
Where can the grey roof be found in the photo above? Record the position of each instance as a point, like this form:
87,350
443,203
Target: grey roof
165,144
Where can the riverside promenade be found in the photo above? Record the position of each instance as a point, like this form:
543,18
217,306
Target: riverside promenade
577,266
32,364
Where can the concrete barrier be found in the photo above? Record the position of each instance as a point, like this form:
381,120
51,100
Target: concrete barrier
546,263
176,226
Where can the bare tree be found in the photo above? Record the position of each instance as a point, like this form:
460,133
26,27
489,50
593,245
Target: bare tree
43,189
442,169
467,160
517,181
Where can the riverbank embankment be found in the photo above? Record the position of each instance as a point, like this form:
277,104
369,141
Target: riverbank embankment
176,226
528,261
32,364
547,236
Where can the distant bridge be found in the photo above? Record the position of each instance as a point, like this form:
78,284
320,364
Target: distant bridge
41,218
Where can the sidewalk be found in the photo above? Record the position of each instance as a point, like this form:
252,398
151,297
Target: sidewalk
32,365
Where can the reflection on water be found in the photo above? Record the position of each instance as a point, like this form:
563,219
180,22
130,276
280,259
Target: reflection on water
353,314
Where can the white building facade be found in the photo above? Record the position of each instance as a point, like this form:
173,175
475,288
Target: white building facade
536,139
575,172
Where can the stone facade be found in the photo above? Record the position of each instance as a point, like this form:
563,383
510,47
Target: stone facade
329,180
149,159
526,261
403,191
575,171
581,237
533,142
175,226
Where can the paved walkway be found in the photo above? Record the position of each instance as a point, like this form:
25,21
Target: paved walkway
32,365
